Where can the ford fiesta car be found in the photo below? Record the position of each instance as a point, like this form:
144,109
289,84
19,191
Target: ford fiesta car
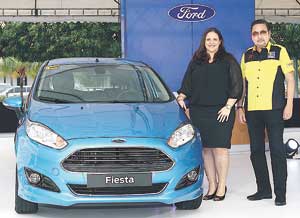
103,131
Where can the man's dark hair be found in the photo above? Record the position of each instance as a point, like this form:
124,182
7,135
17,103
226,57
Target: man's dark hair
261,21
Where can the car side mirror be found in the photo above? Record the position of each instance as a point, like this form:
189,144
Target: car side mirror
13,103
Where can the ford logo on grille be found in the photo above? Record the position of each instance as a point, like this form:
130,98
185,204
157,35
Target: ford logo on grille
192,12
118,140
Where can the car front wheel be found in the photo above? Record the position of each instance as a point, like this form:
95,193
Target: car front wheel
22,206
189,205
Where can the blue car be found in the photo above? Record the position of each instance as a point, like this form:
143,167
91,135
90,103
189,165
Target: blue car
103,131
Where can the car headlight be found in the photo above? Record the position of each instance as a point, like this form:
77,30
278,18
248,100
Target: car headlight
43,135
181,135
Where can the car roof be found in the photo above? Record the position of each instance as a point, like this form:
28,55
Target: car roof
95,60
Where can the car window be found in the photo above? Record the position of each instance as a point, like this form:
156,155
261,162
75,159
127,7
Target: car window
98,83
157,90
11,90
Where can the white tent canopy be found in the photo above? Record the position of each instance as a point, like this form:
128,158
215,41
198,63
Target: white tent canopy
59,10
287,11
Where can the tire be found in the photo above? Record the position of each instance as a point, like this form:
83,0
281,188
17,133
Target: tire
189,205
22,206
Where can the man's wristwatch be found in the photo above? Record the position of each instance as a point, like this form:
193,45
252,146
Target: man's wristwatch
239,107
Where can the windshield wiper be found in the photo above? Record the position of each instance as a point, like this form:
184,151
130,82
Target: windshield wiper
55,100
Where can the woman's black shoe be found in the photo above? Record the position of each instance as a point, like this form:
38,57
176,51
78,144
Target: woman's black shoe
220,198
209,197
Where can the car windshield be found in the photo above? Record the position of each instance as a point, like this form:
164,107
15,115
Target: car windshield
100,83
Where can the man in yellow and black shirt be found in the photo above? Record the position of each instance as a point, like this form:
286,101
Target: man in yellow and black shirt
265,67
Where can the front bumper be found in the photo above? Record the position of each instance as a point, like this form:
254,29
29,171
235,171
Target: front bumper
48,161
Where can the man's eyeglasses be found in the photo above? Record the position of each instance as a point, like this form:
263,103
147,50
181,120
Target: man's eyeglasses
263,33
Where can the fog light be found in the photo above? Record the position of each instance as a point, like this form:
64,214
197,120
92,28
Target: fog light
192,176
34,178
188,179
39,180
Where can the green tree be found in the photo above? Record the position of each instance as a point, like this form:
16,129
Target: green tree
10,65
287,35
42,41
7,68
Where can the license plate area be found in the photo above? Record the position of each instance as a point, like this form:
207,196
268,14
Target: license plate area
119,180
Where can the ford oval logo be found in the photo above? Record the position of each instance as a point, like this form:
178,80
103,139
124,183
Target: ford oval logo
192,12
118,140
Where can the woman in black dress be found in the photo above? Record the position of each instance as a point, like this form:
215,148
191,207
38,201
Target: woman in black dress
213,83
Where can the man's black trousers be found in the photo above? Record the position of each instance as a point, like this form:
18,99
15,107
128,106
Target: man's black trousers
272,121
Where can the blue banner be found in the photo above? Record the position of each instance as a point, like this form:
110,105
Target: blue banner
165,34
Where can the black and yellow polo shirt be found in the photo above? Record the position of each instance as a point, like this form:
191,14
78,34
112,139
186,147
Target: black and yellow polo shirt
264,74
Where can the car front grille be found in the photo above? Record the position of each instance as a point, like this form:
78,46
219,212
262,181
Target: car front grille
136,190
108,160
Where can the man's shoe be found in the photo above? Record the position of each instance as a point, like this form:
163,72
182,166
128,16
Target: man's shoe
259,196
280,201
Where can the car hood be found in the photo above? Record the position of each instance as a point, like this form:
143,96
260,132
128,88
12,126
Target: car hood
157,120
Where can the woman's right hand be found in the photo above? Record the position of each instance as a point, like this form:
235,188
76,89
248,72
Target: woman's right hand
241,115
181,103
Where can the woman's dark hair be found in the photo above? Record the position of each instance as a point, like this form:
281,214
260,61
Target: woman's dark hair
201,53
